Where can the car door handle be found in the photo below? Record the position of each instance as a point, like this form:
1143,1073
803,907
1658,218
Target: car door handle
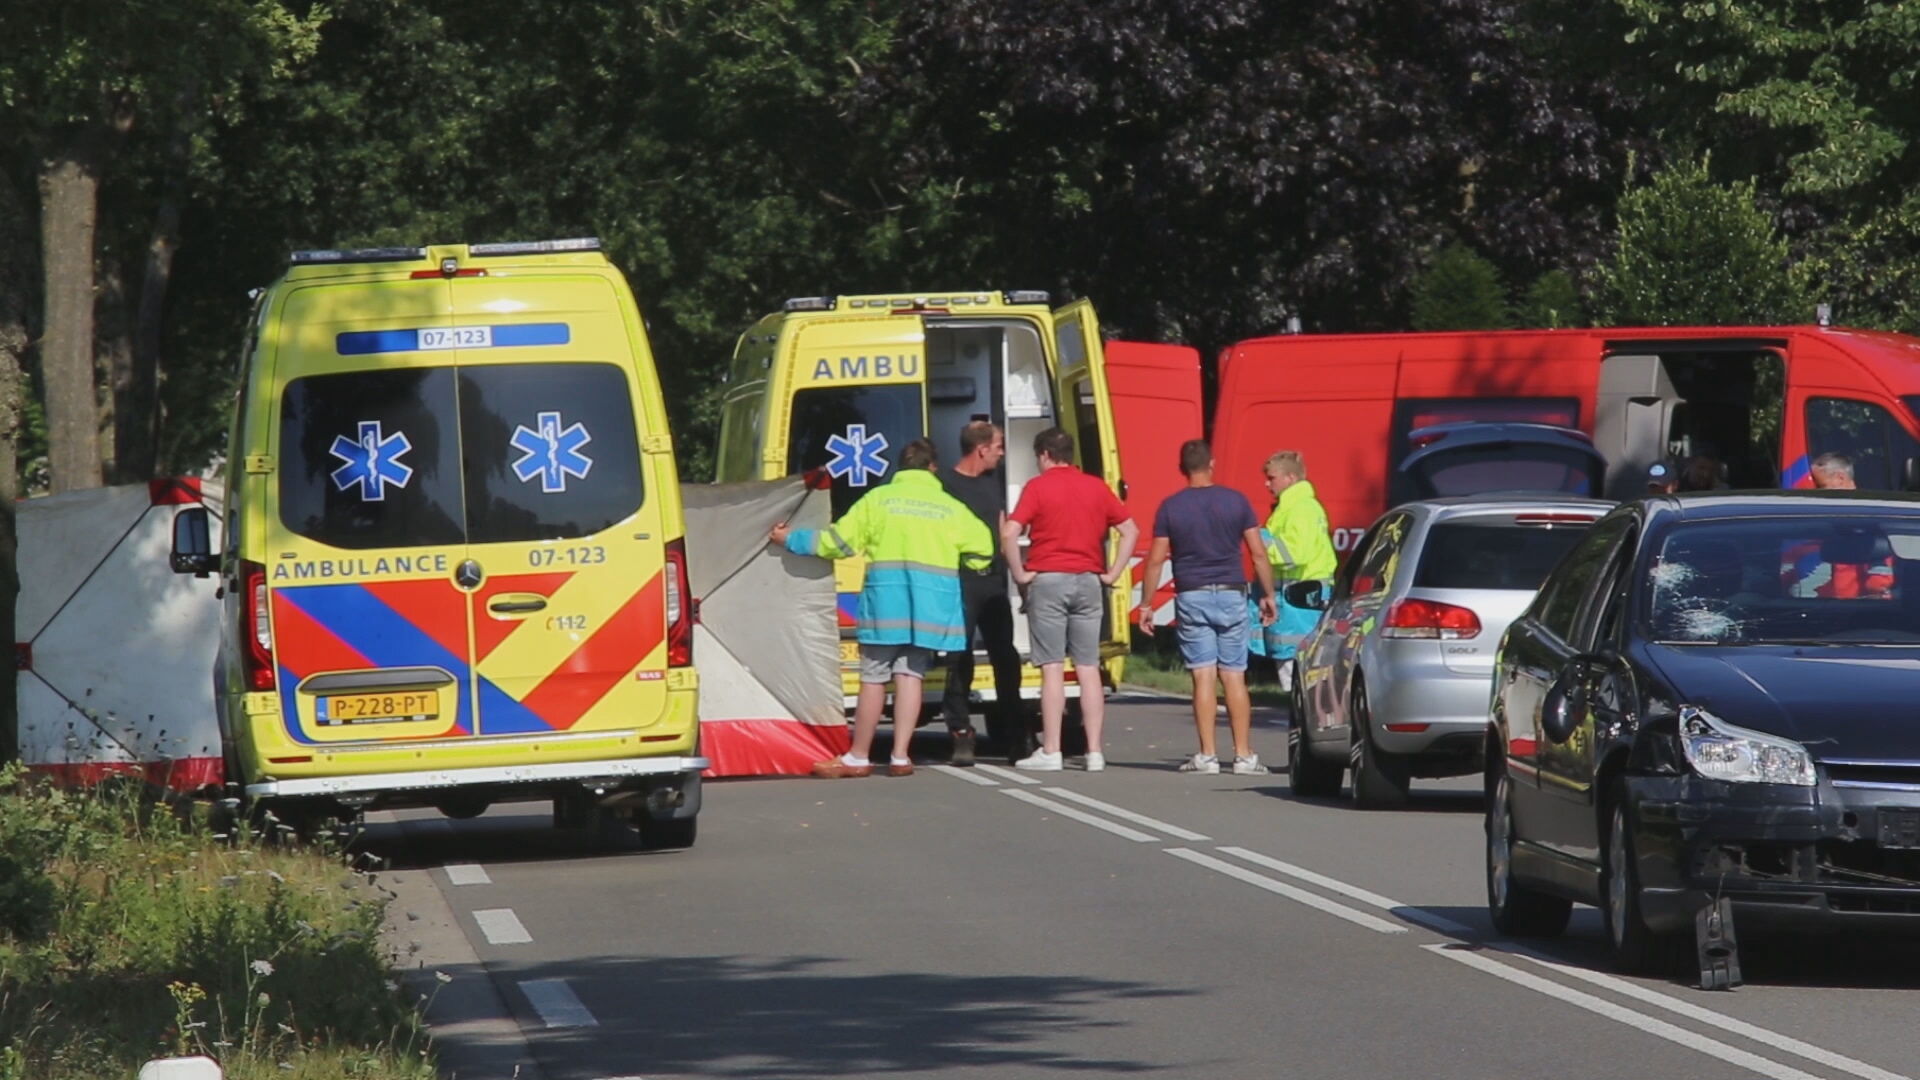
522,604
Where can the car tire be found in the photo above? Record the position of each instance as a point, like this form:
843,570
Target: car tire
1380,779
1636,949
1309,776
673,835
1516,910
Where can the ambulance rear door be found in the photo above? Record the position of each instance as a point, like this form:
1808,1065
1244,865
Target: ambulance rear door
1085,410
369,631
566,569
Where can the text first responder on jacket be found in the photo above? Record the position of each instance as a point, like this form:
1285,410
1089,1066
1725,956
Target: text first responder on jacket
916,538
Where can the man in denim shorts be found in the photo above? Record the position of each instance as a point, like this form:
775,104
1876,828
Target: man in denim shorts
1204,528
1064,573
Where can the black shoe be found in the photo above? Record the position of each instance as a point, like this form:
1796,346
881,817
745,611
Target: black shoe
1019,747
963,749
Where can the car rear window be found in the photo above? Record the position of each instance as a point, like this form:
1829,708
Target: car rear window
550,449
1493,555
1480,470
371,459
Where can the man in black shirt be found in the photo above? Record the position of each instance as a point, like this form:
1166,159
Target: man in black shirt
975,480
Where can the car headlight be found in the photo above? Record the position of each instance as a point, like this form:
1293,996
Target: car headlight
1719,751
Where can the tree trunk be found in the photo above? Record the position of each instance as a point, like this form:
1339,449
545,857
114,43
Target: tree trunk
15,292
113,353
137,404
69,210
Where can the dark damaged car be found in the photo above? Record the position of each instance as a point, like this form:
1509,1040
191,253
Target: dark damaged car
1714,695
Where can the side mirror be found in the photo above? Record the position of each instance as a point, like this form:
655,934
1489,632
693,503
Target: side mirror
1564,706
1306,595
193,543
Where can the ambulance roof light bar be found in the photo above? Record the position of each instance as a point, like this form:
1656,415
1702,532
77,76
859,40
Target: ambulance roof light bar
1028,296
358,255
535,247
810,303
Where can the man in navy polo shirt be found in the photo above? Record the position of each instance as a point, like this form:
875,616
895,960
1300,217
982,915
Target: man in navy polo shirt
1205,528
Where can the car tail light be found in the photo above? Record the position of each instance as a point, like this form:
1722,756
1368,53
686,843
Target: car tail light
1550,520
682,609
256,628
1430,619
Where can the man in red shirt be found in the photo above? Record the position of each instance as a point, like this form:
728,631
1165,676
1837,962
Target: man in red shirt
1064,573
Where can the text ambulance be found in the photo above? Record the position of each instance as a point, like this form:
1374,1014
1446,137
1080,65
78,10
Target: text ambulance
837,385
454,569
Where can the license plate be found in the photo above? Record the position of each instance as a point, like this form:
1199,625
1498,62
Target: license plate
1899,828
379,708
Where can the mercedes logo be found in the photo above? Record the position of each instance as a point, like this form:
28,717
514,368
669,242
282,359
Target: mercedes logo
468,575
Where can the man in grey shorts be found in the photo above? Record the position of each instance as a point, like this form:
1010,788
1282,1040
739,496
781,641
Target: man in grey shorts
1065,516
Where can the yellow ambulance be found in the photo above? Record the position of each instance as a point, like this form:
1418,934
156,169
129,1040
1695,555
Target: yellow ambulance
454,564
836,385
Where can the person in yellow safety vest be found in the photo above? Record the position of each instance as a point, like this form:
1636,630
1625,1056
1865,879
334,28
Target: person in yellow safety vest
916,538
1300,548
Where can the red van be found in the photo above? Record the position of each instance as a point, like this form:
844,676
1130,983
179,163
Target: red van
1761,400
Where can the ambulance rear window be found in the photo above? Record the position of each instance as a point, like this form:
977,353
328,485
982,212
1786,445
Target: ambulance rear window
371,459
551,451
855,433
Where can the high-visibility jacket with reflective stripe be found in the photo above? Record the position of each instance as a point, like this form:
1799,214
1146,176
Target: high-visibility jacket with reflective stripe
916,538
1298,544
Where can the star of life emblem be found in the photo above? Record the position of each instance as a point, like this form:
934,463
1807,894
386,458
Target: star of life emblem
551,452
372,461
856,455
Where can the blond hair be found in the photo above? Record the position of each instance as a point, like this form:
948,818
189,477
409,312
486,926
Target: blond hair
1288,462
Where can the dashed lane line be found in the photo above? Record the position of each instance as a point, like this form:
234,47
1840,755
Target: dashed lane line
1080,816
1124,814
1411,914
966,774
557,1004
1009,775
1298,895
467,874
1659,1029
502,927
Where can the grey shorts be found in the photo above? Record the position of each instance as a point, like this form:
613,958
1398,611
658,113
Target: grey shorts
1063,618
880,663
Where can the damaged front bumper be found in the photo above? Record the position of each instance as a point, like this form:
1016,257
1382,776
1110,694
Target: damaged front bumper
1800,856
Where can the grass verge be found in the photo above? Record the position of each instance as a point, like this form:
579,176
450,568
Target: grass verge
129,931
1155,664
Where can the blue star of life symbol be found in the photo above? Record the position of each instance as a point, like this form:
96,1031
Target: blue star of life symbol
372,461
551,452
856,455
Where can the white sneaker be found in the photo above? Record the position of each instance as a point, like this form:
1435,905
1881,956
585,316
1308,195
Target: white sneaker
1201,763
1096,761
1040,761
1249,766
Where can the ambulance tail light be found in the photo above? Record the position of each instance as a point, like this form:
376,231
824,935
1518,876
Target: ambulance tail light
256,628
681,607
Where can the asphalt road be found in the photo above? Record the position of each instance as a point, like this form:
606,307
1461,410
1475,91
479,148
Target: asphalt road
1134,922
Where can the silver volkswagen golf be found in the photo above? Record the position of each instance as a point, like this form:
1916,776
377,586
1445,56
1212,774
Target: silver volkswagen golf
1394,680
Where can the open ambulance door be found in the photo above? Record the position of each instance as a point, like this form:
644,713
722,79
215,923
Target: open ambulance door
1085,409
1155,391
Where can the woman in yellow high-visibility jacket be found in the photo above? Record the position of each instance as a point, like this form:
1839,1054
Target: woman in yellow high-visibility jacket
1300,548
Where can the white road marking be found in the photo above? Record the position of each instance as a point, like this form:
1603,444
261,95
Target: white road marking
1081,816
1659,1029
1125,815
967,775
1012,776
1682,1007
502,927
1312,900
466,873
1405,911
557,1004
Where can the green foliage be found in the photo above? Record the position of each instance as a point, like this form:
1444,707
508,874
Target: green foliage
131,932
1459,290
1695,252
1552,302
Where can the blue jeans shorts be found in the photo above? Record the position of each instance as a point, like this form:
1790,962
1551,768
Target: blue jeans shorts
1212,628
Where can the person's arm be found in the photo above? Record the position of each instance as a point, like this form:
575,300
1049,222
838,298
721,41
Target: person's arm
1256,546
1012,527
843,539
1156,555
1273,542
1122,552
975,541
